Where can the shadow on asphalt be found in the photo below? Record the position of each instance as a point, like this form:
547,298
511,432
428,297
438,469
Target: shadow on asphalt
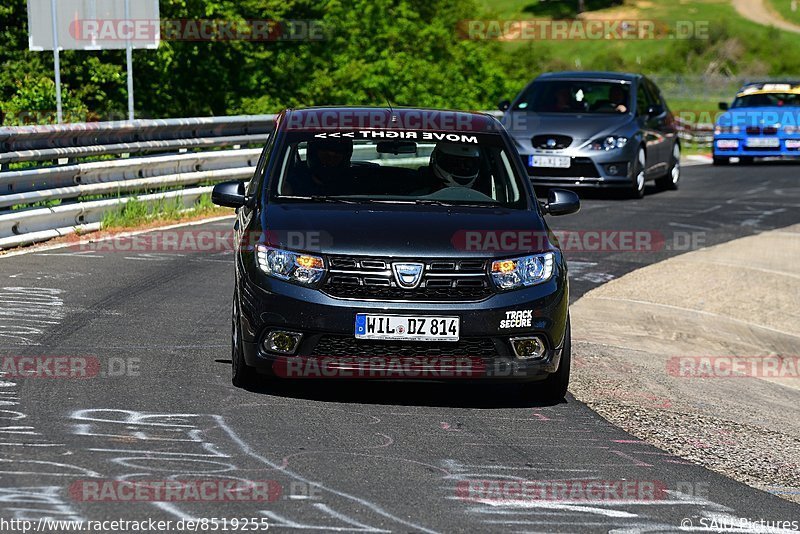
464,394
603,194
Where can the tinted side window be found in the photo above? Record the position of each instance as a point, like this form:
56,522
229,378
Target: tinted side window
657,98
643,100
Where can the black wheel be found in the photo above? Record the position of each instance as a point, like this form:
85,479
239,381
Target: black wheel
673,177
242,375
747,160
554,388
718,160
636,189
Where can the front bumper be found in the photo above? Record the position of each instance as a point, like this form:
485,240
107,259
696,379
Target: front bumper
328,328
737,146
588,168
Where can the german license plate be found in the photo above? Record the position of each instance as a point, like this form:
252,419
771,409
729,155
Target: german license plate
553,162
763,142
407,327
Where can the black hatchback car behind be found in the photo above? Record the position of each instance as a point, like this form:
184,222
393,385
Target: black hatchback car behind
595,130
401,243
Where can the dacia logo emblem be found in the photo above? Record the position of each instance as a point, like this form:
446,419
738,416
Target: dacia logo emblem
408,275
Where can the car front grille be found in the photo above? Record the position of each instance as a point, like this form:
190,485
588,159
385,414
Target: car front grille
330,345
580,168
541,141
355,277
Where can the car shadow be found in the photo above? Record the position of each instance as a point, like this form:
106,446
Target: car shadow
423,393
604,194
462,394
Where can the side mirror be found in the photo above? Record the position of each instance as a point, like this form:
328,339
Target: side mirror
724,106
229,194
561,202
504,105
655,111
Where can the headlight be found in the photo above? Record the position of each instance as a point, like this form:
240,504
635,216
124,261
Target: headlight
523,272
727,130
291,266
791,130
609,143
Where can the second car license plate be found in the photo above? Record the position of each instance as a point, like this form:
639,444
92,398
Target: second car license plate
407,327
764,142
557,162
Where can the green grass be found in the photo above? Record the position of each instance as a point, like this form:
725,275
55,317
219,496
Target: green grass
710,68
136,213
783,8
40,204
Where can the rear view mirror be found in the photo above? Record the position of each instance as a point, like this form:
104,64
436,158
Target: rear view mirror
723,106
229,194
396,147
561,202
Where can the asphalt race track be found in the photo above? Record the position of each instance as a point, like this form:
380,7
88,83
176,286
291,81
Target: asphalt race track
349,456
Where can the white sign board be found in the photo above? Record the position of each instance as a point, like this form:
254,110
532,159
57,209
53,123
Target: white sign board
93,24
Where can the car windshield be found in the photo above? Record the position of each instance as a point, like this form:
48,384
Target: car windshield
399,166
760,100
570,96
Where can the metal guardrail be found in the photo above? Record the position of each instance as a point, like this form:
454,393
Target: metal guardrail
149,179
173,175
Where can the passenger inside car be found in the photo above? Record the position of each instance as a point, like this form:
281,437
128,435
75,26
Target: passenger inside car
326,170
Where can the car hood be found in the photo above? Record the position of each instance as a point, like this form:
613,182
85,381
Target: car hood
584,127
764,116
392,230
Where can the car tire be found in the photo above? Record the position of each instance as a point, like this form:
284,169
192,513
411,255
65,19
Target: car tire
671,180
553,389
639,180
242,375
719,160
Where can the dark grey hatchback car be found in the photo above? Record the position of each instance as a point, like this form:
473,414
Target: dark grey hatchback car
402,243
593,130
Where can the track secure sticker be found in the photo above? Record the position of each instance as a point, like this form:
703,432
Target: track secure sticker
517,319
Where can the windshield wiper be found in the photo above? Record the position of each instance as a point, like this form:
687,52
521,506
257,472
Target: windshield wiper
326,198
432,202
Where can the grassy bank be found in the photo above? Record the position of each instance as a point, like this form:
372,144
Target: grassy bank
783,8
135,213
722,45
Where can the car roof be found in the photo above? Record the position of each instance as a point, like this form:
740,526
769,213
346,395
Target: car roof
590,75
769,87
328,118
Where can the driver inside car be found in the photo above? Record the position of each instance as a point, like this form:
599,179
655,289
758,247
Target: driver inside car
453,165
327,170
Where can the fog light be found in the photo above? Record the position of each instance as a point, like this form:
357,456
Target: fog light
617,169
282,342
528,348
